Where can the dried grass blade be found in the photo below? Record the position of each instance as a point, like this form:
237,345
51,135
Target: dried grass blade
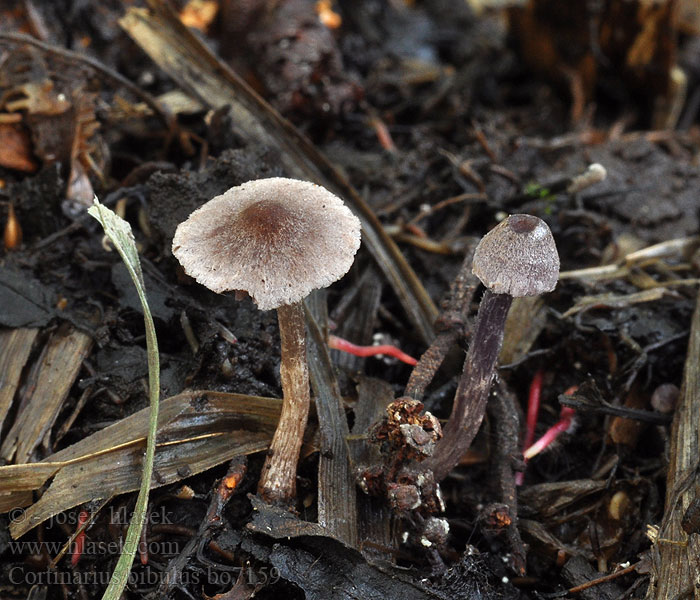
337,502
196,431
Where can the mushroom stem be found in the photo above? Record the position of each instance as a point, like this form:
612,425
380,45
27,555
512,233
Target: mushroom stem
474,386
278,480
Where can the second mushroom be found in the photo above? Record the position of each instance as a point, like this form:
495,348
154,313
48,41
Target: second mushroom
516,258
276,239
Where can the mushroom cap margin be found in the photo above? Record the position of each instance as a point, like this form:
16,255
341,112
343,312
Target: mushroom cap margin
276,238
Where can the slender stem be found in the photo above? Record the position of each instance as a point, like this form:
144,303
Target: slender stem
278,480
533,408
533,412
429,363
474,386
338,343
564,422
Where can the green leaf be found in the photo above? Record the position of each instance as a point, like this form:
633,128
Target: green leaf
120,234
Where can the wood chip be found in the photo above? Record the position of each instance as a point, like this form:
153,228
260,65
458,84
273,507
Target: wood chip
49,384
16,344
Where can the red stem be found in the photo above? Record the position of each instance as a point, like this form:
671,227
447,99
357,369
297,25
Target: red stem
566,415
533,412
533,408
530,449
79,541
338,343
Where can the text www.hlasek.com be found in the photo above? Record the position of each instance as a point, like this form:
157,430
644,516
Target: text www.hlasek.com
92,548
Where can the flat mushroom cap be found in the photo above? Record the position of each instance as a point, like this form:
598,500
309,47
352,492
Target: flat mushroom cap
518,257
278,239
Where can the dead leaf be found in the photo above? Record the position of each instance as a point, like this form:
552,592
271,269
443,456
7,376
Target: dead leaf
16,148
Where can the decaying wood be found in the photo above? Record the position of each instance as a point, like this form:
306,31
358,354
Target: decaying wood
113,76
324,567
374,516
183,57
15,345
677,567
337,500
545,500
578,571
541,539
48,386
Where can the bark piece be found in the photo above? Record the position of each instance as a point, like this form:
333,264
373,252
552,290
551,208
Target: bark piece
677,567
50,381
16,345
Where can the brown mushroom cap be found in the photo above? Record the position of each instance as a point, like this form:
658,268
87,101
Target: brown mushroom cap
278,239
518,257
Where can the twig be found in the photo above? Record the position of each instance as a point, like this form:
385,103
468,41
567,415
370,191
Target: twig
98,67
450,326
506,450
213,519
604,579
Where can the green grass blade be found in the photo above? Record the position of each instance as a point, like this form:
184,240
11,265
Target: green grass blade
120,234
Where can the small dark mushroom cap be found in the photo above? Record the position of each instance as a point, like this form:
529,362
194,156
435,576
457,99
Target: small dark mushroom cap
278,239
518,257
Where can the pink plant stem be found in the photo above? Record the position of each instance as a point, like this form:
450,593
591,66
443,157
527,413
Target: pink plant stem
533,411
530,450
79,541
566,415
533,408
383,135
338,343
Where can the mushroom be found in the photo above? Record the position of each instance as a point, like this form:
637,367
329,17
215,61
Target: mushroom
276,239
516,258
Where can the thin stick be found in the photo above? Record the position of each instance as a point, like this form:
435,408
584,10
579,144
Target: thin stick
506,418
604,579
450,326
